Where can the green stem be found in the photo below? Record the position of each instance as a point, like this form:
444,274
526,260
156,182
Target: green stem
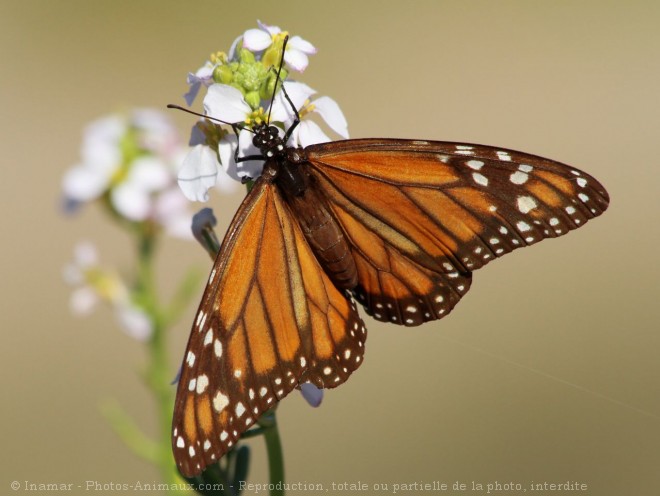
274,449
157,372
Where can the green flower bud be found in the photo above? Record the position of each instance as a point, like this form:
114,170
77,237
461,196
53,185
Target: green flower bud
253,99
253,76
272,56
267,89
223,74
246,56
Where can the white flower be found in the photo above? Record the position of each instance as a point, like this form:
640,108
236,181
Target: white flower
171,211
226,103
297,49
132,159
84,297
134,321
133,197
308,132
199,171
203,76
101,157
92,284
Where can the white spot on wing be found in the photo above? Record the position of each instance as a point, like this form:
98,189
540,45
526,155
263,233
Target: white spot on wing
526,203
518,177
480,179
475,164
202,383
220,401
523,226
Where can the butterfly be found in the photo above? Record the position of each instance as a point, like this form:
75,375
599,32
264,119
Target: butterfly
396,226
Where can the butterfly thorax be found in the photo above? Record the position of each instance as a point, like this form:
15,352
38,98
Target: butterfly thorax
288,168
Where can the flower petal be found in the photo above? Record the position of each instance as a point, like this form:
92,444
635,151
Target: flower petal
82,183
304,46
296,59
85,254
328,109
148,174
203,76
272,30
227,180
100,147
197,136
256,40
309,133
312,394
192,92
198,173
298,93
250,168
83,300
130,201
171,211
200,221
231,55
135,322
226,103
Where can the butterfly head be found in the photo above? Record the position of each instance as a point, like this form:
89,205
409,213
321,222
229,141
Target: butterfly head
268,141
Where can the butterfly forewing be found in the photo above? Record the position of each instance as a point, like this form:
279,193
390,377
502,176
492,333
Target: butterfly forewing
421,215
270,319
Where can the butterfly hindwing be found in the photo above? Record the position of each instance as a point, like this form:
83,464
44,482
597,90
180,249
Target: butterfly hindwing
421,215
270,319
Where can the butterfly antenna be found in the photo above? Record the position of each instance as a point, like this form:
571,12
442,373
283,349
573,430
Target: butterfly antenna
277,77
233,125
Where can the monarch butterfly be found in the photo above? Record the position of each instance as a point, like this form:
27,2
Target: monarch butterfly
398,225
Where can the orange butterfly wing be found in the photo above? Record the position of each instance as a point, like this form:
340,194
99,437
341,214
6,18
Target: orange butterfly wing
270,319
421,215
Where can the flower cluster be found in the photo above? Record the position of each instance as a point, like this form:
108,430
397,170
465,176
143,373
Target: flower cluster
129,162
92,284
240,88
128,165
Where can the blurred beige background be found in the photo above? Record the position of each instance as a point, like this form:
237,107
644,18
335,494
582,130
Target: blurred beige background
547,371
